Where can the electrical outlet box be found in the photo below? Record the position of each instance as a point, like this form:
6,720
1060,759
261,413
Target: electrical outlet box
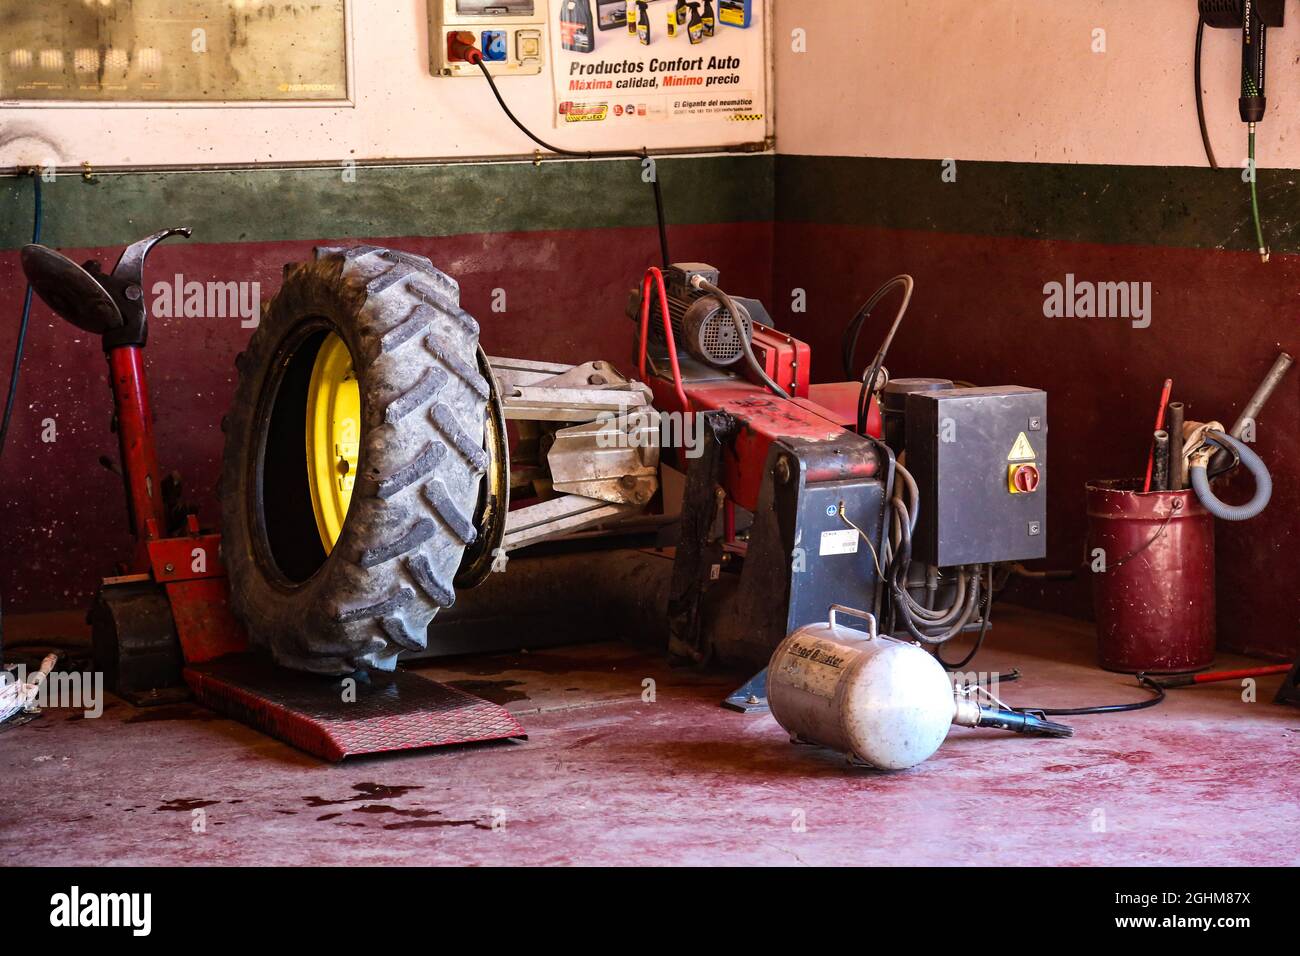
979,457
510,33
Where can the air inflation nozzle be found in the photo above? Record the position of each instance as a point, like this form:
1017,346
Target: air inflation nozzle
1254,35
1022,723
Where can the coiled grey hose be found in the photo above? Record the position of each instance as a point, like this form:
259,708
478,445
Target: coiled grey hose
1254,464
913,495
933,617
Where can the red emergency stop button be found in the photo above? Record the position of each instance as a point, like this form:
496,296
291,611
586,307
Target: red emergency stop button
1023,478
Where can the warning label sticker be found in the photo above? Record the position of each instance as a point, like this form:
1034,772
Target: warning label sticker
839,542
1021,450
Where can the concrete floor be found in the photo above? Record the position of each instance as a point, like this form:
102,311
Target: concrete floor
606,778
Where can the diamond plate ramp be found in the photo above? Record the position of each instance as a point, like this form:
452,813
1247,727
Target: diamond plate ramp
391,712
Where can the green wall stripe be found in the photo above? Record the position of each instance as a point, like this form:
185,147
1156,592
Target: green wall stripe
435,200
1140,205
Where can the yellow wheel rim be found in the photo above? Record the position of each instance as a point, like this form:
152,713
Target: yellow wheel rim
333,430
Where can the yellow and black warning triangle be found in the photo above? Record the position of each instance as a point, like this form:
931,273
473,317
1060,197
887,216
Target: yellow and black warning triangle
1022,450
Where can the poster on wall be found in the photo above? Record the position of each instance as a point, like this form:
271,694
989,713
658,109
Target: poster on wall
173,50
627,62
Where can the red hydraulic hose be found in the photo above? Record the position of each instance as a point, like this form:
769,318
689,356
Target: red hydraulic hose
657,275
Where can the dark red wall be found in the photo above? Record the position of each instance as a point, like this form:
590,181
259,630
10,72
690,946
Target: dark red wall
1219,319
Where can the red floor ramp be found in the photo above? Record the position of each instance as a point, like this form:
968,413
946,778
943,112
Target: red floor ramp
390,712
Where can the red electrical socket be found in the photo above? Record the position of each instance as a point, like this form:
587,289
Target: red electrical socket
461,48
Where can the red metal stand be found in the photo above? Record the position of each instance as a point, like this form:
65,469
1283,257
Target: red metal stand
135,440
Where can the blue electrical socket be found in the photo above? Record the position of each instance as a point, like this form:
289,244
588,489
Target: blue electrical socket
494,45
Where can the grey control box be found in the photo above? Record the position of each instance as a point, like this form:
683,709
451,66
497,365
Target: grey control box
979,457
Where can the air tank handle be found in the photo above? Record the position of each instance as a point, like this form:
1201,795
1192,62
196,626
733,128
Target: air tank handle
869,618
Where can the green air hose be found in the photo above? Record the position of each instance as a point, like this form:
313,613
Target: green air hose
1254,198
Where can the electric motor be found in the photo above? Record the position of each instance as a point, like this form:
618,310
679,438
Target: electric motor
707,331
701,324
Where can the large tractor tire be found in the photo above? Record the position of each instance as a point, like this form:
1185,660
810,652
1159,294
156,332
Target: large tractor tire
353,461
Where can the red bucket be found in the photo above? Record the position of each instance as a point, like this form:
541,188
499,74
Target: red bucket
1154,602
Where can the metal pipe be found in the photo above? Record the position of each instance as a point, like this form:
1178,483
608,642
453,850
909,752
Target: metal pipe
1160,423
1177,463
85,170
1160,461
1256,404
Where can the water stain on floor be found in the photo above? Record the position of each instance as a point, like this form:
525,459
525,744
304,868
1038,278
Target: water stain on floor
365,791
172,712
412,824
496,691
384,808
181,804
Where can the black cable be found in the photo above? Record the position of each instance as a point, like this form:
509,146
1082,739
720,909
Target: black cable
23,322
849,339
1200,100
1142,679
873,370
659,218
642,155
984,629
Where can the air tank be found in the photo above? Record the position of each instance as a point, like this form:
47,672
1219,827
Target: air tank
886,702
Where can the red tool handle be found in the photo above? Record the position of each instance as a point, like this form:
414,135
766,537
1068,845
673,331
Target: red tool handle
1160,423
653,273
1210,677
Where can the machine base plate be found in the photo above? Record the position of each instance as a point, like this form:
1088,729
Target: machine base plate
750,697
391,711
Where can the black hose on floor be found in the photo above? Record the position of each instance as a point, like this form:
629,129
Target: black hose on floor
1142,679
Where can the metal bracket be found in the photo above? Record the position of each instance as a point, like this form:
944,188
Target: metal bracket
126,285
750,697
601,467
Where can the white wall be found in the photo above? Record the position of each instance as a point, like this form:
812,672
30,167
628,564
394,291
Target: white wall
400,111
1016,80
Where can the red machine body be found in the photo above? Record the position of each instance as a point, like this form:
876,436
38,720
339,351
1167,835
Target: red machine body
190,570
815,413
